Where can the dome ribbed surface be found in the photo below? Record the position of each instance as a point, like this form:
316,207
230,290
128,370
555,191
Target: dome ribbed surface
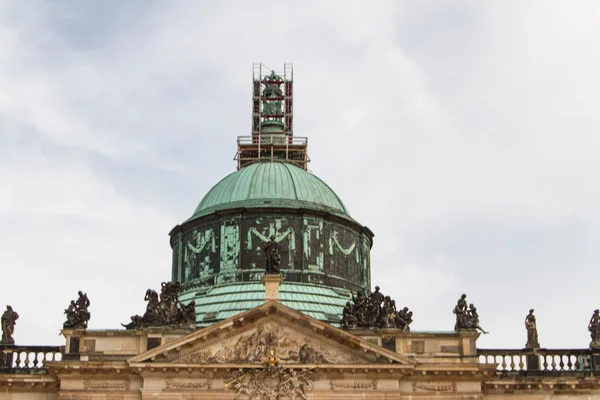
271,184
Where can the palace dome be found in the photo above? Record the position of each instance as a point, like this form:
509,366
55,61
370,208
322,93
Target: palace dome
271,184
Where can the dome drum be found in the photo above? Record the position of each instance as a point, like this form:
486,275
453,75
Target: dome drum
314,248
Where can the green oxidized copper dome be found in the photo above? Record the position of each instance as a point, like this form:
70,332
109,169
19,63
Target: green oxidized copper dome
271,184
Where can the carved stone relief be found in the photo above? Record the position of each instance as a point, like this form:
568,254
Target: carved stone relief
433,387
175,384
290,346
339,384
272,384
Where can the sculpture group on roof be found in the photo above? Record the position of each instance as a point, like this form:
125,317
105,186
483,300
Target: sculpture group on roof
467,318
375,311
77,313
164,309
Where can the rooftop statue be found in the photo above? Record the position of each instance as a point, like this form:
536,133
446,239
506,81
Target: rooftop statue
467,319
164,309
77,313
272,93
376,311
272,258
594,328
532,334
9,318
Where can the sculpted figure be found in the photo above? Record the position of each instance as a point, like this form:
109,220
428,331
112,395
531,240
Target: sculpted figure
82,304
9,318
271,249
164,309
532,335
153,314
404,319
460,310
189,312
348,317
360,309
594,328
374,308
169,297
389,312
473,319
376,311
77,313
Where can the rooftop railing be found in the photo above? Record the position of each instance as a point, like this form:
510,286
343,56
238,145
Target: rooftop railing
27,359
541,361
275,139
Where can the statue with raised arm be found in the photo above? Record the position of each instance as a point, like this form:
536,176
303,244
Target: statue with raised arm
594,328
272,259
532,334
9,318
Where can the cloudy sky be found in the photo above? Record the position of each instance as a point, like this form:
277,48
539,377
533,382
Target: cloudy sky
465,134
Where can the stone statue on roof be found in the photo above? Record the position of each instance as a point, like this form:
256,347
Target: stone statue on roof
9,318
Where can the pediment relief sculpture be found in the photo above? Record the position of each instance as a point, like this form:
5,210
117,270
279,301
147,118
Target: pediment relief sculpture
291,347
248,338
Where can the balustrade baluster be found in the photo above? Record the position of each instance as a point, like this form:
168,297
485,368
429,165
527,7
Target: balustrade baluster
553,364
512,363
18,359
569,363
521,363
504,363
561,362
545,362
36,355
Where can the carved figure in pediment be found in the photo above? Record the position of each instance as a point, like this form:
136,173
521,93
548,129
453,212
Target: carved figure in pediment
309,355
272,384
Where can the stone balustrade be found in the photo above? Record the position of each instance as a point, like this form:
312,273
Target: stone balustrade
27,359
543,361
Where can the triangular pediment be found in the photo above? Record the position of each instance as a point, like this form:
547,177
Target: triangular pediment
245,339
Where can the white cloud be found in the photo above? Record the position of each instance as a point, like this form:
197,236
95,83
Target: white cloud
463,134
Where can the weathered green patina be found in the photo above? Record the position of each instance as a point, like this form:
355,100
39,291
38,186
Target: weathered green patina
271,184
221,302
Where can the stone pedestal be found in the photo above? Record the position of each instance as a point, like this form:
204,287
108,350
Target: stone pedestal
272,283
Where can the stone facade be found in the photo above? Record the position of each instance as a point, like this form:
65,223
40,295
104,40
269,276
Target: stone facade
275,352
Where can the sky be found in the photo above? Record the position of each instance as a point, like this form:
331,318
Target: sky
464,134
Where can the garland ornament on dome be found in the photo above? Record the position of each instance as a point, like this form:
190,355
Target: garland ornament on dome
165,309
375,311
